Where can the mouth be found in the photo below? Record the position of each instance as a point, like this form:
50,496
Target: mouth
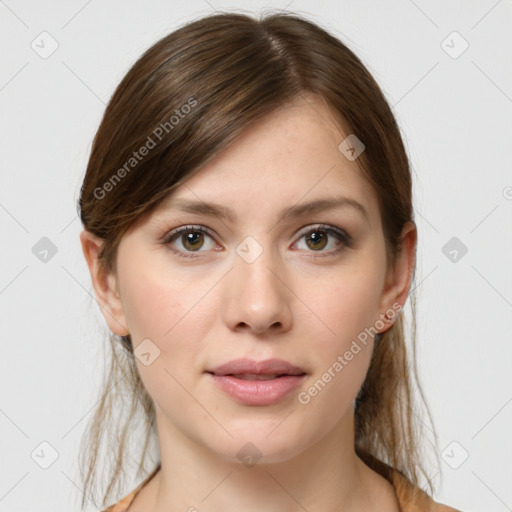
257,383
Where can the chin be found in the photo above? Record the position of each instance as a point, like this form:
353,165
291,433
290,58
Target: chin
258,443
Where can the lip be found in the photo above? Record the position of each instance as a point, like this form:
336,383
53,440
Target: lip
257,392
268,367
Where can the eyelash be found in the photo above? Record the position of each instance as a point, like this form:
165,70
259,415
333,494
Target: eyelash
345,238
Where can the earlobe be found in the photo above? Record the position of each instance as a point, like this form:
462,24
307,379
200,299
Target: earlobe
400,276
104,283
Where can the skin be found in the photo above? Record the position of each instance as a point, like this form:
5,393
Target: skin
204,311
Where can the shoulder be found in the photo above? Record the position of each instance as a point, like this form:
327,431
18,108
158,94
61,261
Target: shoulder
410,497
414,499
122,506
124,503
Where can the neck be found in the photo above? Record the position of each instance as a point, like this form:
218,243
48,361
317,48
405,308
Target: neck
327,475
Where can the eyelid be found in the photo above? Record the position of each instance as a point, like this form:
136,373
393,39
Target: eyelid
324,227
187,227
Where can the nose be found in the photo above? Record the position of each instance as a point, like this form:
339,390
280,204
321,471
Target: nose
256,296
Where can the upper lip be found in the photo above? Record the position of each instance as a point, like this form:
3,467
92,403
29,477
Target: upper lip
266,367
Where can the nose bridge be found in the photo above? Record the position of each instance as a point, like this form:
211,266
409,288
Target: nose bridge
256,295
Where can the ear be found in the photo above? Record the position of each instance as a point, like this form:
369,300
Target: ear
399,277
104,283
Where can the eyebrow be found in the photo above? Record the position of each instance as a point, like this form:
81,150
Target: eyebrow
297,210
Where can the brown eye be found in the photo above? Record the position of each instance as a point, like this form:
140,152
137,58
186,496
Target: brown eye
320,237
191,239
318,240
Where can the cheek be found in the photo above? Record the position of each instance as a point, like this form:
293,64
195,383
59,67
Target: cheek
157,300
344,310
151,306
173,314
345,305
157,308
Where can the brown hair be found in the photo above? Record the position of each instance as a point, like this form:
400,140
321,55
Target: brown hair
186,99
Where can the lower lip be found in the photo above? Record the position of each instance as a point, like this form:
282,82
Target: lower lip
257,392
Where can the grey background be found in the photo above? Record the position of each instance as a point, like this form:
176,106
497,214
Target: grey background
455,113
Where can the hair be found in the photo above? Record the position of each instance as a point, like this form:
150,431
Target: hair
202,85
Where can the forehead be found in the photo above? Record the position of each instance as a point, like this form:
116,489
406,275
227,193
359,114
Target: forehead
290,157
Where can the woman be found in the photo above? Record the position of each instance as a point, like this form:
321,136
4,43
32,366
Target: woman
248,227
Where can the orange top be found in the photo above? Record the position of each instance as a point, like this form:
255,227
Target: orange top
409,497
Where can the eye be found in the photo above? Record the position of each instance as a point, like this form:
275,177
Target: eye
191,239
319,237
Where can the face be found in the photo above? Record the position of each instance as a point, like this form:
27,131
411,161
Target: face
309,287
